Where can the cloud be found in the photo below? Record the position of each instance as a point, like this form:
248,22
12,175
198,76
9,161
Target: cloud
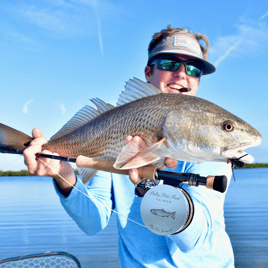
25,107
263,16
68,18
251,36
99,28
20,37
49,18
226,54
63,109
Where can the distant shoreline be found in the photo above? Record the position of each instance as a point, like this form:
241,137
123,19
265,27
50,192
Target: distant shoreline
254,166
19,173
26,173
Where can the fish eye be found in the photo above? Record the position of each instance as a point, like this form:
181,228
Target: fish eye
228,126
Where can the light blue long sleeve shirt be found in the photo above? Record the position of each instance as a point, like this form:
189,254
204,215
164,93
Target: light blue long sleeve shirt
204,243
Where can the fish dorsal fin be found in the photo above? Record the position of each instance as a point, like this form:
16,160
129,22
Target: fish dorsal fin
101,105
83,116
136,89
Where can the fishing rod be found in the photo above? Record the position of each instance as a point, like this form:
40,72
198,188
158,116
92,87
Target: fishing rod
217,183
61,158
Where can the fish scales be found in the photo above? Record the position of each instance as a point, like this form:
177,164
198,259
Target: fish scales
179,126
104,136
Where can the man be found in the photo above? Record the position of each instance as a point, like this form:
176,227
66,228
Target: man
175,65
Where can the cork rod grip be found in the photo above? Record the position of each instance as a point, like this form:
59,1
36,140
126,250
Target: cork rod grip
147,172
218,183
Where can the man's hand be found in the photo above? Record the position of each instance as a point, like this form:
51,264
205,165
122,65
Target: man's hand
55,168
134,173
34,148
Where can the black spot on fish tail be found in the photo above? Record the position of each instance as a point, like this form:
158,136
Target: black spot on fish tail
26,144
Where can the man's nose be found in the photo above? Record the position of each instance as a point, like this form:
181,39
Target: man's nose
181,71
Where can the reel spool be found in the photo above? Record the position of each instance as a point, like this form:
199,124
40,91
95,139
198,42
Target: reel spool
167,210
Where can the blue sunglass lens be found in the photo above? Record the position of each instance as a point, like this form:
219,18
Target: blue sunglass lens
174,65
193,71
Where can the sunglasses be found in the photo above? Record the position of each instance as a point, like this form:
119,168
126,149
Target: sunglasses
172,64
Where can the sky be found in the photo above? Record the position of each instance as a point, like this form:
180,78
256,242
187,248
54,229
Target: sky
55,55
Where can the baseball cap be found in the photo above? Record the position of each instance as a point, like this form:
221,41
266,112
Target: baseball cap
183,44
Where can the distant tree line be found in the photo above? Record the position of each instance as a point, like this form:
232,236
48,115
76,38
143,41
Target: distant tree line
19,173
15,173
254,165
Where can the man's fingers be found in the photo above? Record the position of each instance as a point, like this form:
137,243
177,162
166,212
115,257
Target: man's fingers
48,167
30,158
136,139
38,141
170,162
38,137
54,165
134,175
129,139
40,166
37,133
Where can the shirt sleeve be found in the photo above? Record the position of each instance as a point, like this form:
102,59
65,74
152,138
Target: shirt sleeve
90,206
208,207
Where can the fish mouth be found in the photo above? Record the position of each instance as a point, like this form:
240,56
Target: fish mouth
236,152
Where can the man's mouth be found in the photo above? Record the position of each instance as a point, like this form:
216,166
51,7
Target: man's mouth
175,86
178,88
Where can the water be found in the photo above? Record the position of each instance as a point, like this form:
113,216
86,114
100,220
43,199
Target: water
246,215
33,221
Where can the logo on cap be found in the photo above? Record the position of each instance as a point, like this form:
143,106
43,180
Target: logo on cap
187,42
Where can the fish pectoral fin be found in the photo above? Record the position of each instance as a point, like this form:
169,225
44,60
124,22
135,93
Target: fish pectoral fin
137,155
87,174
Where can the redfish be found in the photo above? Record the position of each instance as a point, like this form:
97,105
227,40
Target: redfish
179,126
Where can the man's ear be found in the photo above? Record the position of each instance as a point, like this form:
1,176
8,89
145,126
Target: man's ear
148,73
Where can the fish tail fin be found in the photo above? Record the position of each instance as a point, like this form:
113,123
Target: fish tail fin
173,215
12,140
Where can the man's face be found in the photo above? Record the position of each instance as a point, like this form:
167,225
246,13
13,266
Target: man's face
171,82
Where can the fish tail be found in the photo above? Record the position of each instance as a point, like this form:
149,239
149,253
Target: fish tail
13,141
173,215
